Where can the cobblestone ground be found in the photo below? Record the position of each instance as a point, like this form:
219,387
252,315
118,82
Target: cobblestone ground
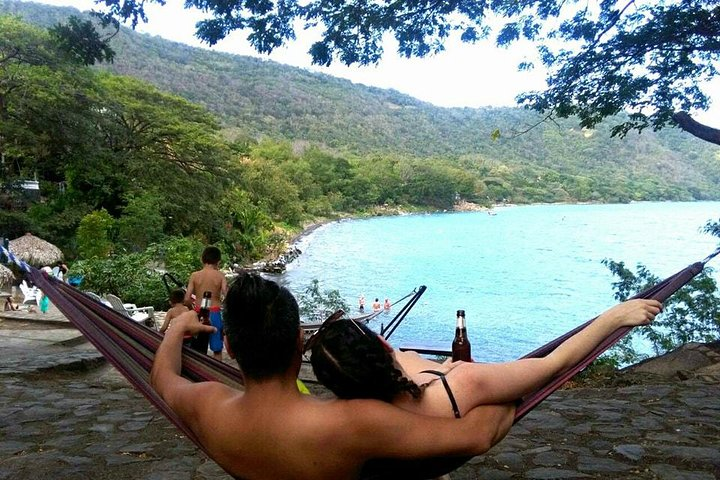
65,414
645,431
90,426
93,425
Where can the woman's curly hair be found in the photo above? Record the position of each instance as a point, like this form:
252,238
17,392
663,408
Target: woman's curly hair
352,362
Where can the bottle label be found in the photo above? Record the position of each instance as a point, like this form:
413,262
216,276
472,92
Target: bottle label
205,302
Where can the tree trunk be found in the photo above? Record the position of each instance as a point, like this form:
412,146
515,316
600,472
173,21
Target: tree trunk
686,122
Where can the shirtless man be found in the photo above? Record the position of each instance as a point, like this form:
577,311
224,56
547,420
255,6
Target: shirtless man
209,279
272,431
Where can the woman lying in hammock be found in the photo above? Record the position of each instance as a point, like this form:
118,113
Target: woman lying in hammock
355,362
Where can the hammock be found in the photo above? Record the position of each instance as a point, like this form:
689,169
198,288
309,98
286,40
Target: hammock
131,347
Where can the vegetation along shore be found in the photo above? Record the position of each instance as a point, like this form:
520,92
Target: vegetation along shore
130,167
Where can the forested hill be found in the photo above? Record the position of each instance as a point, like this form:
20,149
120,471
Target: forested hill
258,99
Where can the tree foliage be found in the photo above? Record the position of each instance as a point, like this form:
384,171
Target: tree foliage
690,315
94,235
316,304
132,176
643,58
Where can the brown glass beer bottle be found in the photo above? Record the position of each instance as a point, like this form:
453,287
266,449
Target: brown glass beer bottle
461,344
204,312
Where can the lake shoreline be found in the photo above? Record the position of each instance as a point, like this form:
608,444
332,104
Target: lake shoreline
546,256
460,207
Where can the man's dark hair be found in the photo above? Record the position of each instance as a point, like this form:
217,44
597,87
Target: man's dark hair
211,255
177,296
262,322
352,362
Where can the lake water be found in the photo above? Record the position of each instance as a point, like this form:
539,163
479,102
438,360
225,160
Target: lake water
524,276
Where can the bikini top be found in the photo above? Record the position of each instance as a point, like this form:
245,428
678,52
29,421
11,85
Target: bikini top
450,395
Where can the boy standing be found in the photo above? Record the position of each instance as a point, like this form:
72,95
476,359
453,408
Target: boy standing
209,279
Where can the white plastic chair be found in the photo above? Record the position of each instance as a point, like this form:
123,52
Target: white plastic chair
98,298
144,315
30,294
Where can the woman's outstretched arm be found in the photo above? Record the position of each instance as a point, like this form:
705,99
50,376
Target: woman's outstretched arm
479,384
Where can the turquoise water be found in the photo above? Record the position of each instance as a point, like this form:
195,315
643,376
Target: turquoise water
524,276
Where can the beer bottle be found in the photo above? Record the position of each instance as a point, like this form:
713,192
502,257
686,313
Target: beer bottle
461,344
204,312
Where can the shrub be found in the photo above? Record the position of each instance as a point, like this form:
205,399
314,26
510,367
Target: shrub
690,315
94,233
137,277
316,305
141,223
16,224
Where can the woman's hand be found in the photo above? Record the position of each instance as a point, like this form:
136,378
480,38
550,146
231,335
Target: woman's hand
633,312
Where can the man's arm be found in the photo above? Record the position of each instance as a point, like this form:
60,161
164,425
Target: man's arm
165,377
382,430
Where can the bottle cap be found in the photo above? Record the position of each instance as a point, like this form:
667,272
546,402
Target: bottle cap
461,313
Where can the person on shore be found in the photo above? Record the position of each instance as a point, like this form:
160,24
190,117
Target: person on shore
272,431
9,306
376,305
177,307
59,271
355,362
209,279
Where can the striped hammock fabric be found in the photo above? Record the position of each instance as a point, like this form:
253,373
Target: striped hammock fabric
130,347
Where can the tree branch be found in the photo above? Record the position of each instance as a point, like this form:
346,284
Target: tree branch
693,127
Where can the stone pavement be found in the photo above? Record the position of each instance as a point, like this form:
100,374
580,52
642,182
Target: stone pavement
64,414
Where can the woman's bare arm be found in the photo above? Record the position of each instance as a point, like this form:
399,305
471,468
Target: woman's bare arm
478,384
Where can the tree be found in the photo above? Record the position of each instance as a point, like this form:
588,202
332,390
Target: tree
690,315
160,142
94,235
37,81
642,57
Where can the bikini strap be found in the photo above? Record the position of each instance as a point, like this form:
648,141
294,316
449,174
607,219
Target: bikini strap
450,395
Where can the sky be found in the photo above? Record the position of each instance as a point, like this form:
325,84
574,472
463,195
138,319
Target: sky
463,75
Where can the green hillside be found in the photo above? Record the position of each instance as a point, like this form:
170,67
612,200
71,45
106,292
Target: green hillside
263,99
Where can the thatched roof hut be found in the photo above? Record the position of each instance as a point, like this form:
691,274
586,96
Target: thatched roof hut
35,251
6,276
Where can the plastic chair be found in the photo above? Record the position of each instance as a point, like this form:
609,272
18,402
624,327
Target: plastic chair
144,315
30,294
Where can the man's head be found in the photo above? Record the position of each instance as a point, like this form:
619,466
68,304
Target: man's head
211,255
262,323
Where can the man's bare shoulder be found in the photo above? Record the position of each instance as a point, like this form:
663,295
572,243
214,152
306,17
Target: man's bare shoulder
353,417
198,403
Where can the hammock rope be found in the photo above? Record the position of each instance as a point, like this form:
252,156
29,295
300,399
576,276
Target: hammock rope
661,292
130,347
